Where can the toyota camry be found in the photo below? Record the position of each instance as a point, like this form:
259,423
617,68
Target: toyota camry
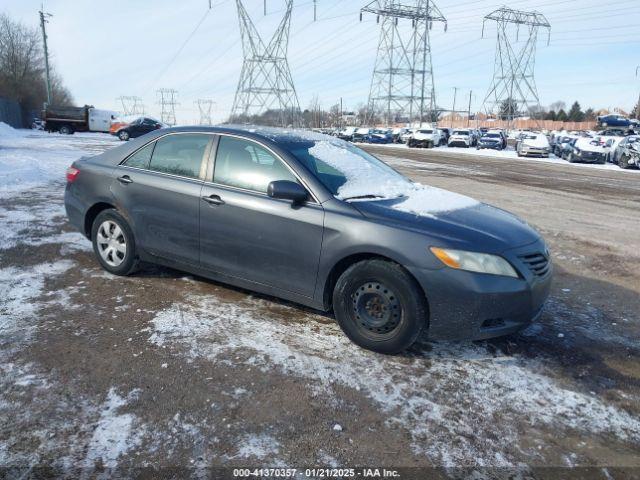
314,220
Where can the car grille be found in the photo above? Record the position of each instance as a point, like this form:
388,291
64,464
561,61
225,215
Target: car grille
538,263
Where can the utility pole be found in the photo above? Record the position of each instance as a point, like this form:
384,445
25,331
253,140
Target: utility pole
265,79
43,21
167,102
315,10
469,111
513,86
402,85
453,112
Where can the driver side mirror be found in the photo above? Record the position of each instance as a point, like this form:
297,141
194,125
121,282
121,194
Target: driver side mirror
287,190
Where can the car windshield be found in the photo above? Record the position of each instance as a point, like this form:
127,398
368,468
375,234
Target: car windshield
492,135
460,132
426,131
347,171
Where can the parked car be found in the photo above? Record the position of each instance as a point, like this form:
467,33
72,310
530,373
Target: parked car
588,150
627,153
619,121
360,135
425,138
533,144
492,139
406,136
137,128
445,133
397,134
559,142
461,138
379,136
567,147
317,221
347,133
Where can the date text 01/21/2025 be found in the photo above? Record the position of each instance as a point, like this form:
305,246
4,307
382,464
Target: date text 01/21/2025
315,473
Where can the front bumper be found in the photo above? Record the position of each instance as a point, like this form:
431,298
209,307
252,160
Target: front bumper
493,146
471,306
537,152
590,157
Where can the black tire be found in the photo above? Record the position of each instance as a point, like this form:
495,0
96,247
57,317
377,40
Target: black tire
411,144
379,306
623,161
124,136
66,130
124,265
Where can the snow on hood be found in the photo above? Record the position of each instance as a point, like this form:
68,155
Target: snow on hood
589,145
366,178
540,141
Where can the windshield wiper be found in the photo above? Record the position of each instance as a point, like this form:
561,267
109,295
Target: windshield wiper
363,197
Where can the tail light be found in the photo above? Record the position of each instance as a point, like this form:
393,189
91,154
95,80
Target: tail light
72,174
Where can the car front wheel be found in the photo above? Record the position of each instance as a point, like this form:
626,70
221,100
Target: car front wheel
113,243
379,306
124,135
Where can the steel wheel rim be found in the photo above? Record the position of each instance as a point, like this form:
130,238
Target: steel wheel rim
111,242
376,309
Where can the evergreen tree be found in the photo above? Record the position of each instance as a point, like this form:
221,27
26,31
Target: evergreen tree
551,115
589,115
508,109
562,116
576,114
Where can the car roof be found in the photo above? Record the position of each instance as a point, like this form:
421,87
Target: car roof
257,132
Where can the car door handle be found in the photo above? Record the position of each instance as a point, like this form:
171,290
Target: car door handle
214,200
125,179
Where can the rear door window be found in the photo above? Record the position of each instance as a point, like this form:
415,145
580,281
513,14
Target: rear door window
180,154
141,158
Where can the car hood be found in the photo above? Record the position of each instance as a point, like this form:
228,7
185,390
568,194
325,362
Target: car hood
489,140
478,228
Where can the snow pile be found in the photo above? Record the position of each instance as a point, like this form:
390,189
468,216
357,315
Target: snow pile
374,178
9,131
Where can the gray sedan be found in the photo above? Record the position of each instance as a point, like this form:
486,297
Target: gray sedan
314,220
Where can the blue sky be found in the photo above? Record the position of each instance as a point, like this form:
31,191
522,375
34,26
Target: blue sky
133,47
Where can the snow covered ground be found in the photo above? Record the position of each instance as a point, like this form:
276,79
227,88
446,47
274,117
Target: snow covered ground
512,155
30,158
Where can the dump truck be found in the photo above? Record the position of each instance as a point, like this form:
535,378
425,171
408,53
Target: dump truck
68,120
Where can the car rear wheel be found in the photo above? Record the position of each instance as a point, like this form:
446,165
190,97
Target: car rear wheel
113,243
66,130
379,306
124,135
623,162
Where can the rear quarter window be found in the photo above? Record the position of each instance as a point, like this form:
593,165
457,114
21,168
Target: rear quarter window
141,158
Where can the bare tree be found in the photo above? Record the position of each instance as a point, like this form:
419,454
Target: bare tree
22,71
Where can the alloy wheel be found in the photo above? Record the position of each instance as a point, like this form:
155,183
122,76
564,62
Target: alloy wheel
112,244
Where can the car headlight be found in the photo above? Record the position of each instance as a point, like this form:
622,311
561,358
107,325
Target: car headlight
474,262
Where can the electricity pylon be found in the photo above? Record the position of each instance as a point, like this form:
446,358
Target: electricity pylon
265,80
402,85
167,102
131,105
204,107
513,88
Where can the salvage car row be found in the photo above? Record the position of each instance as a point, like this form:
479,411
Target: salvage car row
620,147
